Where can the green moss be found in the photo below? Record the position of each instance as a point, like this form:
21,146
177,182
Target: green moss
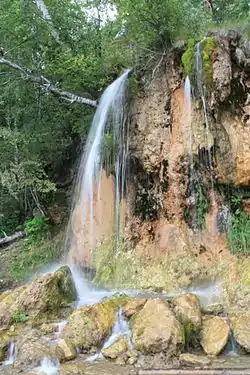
19,317
188,57
208,49
239,233
202,205
191,334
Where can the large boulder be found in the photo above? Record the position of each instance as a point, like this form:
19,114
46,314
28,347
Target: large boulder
40,300
89,326
241,330
155,329
187,308
214,335
31,348
67,348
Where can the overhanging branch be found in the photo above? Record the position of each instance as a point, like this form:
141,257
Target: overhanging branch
46,84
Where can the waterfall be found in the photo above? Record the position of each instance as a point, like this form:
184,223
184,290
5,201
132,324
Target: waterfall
87,223
48,367
202,92
188,119
11,353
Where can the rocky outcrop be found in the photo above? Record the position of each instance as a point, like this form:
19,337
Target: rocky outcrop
241,330
41,300
214,309
214,335
89,326
187,308
155,329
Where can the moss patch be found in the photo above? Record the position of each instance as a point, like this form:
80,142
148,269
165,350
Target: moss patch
208,49
188,58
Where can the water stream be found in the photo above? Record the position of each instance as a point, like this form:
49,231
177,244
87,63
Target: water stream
11,354
48,367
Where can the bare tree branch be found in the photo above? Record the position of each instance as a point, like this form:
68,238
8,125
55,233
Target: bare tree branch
47,18
46,84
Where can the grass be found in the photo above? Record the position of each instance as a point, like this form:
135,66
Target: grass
239,233
32,255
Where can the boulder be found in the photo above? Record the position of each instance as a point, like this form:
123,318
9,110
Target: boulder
39,300
214,335
187,308
133,306
89,326
120,350
241,330
155,329
214,309
192,360
32,348
67,348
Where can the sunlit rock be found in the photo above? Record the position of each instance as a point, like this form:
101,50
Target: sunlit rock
214,335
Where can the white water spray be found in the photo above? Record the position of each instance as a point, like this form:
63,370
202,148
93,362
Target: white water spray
188,120
48,367
11,354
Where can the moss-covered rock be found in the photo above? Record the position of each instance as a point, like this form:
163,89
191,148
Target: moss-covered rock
214,335
155,329
4,344
188,57
89,326
208,51
40,300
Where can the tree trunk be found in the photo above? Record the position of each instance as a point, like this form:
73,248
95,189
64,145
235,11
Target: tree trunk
9,239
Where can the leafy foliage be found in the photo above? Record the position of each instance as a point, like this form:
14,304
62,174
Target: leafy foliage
19,317
239,233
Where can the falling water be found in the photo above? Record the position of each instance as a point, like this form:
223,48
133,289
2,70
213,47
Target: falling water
11,354
48,367
202,92
85,222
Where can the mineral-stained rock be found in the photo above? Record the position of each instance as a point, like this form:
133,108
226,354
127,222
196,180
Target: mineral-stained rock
241,330
39,300
192,360
187,308
67,348
155,329
214,335
133,307
89,326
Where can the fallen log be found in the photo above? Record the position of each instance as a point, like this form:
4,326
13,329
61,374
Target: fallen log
9,239
196,372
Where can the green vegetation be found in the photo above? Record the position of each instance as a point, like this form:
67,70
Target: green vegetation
202,205
19,318
191,334
239,233
188,58
34,253
208,49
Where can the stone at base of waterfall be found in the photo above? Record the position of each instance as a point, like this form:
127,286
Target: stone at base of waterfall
32,348
120,352
67,348
214,309
155,329
241,330
214,335
193,360
89,326
132,307
40,300
187,308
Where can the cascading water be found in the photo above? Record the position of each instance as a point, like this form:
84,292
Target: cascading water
11,354
88,227
48,367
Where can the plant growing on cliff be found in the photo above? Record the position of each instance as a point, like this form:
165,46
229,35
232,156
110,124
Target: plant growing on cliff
208,49
202,205
188,58
239,233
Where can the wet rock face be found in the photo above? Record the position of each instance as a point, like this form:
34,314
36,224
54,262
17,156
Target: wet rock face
214,335
89,326
133,306
241,331
40,300
155,329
